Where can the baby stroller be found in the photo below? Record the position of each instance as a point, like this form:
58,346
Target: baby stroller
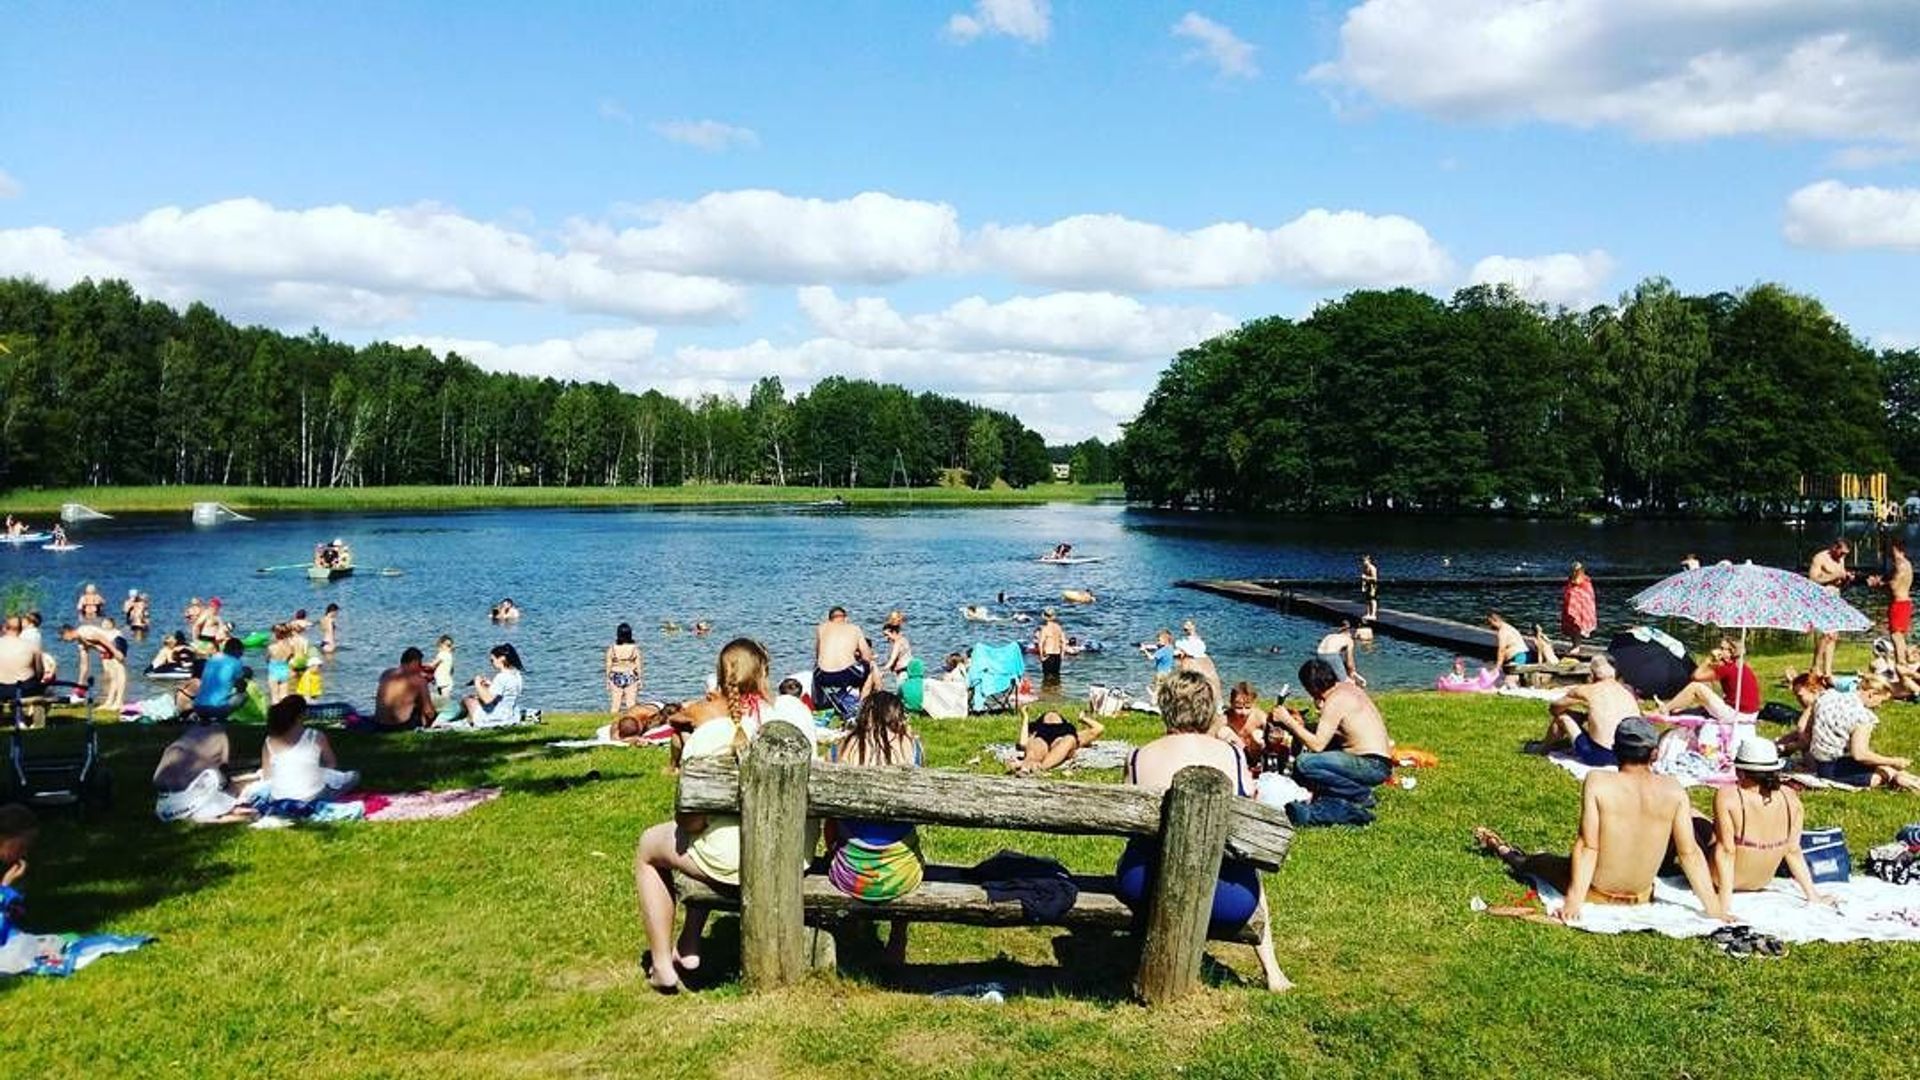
993,674
77,778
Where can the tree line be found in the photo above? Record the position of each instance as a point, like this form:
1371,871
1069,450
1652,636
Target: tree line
98,386
1398,400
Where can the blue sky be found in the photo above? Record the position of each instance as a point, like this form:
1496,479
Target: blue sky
1026,203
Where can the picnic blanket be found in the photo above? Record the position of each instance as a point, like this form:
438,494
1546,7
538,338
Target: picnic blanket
405,806
1866,909
1531,693
60,955
1803,780
1101,755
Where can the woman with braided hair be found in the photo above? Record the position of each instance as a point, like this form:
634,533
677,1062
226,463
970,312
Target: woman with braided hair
705,846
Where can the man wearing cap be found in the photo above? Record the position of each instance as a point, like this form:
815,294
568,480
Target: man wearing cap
1589,713
1627,820
1051,643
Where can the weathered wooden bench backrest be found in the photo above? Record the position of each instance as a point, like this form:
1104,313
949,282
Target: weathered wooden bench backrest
1256,833
779,786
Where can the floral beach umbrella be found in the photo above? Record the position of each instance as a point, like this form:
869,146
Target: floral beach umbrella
1751,598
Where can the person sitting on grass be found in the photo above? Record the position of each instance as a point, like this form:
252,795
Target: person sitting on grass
1348,752
1053,741
1738,699
1246,724
297,762
1627,820
1836,731
702,846
191,783
877,861
1756,827
223,682
404,700
19,951
496,700
1187,710
1587,715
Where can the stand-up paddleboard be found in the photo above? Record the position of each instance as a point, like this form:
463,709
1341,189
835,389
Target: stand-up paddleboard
1070,560
26,538
61,547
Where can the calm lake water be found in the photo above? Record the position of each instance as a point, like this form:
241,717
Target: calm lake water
771,573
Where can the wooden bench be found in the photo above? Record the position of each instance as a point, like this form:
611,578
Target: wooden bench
1549,676
779,786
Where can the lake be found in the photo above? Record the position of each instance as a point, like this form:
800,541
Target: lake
772,573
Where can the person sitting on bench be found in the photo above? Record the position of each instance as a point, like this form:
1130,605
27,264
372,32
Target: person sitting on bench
1187,709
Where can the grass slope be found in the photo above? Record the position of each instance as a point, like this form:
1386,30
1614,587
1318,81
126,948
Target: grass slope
113,500
505,944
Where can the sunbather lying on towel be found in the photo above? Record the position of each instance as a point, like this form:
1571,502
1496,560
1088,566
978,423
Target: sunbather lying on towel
1627,819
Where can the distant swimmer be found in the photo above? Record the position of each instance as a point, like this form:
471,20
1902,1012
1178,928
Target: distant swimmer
505,611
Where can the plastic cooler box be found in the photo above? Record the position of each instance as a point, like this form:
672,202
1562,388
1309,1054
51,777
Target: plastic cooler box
1826,854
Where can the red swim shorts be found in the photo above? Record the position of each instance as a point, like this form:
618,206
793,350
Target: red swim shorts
1900,616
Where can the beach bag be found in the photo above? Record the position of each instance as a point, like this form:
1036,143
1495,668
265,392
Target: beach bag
1104,702
1826,854
1894,863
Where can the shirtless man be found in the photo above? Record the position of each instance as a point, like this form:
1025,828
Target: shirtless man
19,668
1050,642
1829,568
405,697
1627,820
1347,753
1336,649
1370,589
1899,582
843,661
1589,714
105,643
1509,647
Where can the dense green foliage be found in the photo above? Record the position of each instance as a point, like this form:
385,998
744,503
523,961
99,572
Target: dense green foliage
1398,400
102,387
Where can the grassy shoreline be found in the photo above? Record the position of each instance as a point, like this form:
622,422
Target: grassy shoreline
165,499
503,944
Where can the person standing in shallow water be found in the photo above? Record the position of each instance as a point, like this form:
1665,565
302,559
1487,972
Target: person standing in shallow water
1370,588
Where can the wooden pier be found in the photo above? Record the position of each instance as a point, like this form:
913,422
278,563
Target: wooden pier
1351,583
1454,636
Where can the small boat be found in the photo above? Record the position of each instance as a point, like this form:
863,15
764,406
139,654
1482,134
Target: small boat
1070,560
835,503
27,538
329,573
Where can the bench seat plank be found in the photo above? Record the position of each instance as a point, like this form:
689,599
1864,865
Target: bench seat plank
949,895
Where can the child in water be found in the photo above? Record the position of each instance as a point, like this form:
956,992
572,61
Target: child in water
329,626
443,667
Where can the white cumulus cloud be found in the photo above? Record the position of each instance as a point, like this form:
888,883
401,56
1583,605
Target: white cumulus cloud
622,356
346,261
1832,215
1665,69
1318,249
709,135
1099,325
1566,279
1218,45
770,236
1027,20
9,187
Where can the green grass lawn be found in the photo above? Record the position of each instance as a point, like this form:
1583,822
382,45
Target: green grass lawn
161,499
505,944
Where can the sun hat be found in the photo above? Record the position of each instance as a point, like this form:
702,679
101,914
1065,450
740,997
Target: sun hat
1757,755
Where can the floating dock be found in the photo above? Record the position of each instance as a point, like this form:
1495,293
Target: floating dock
1352,582
1454,636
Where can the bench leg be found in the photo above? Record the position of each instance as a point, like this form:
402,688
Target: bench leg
1193,836
823,953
